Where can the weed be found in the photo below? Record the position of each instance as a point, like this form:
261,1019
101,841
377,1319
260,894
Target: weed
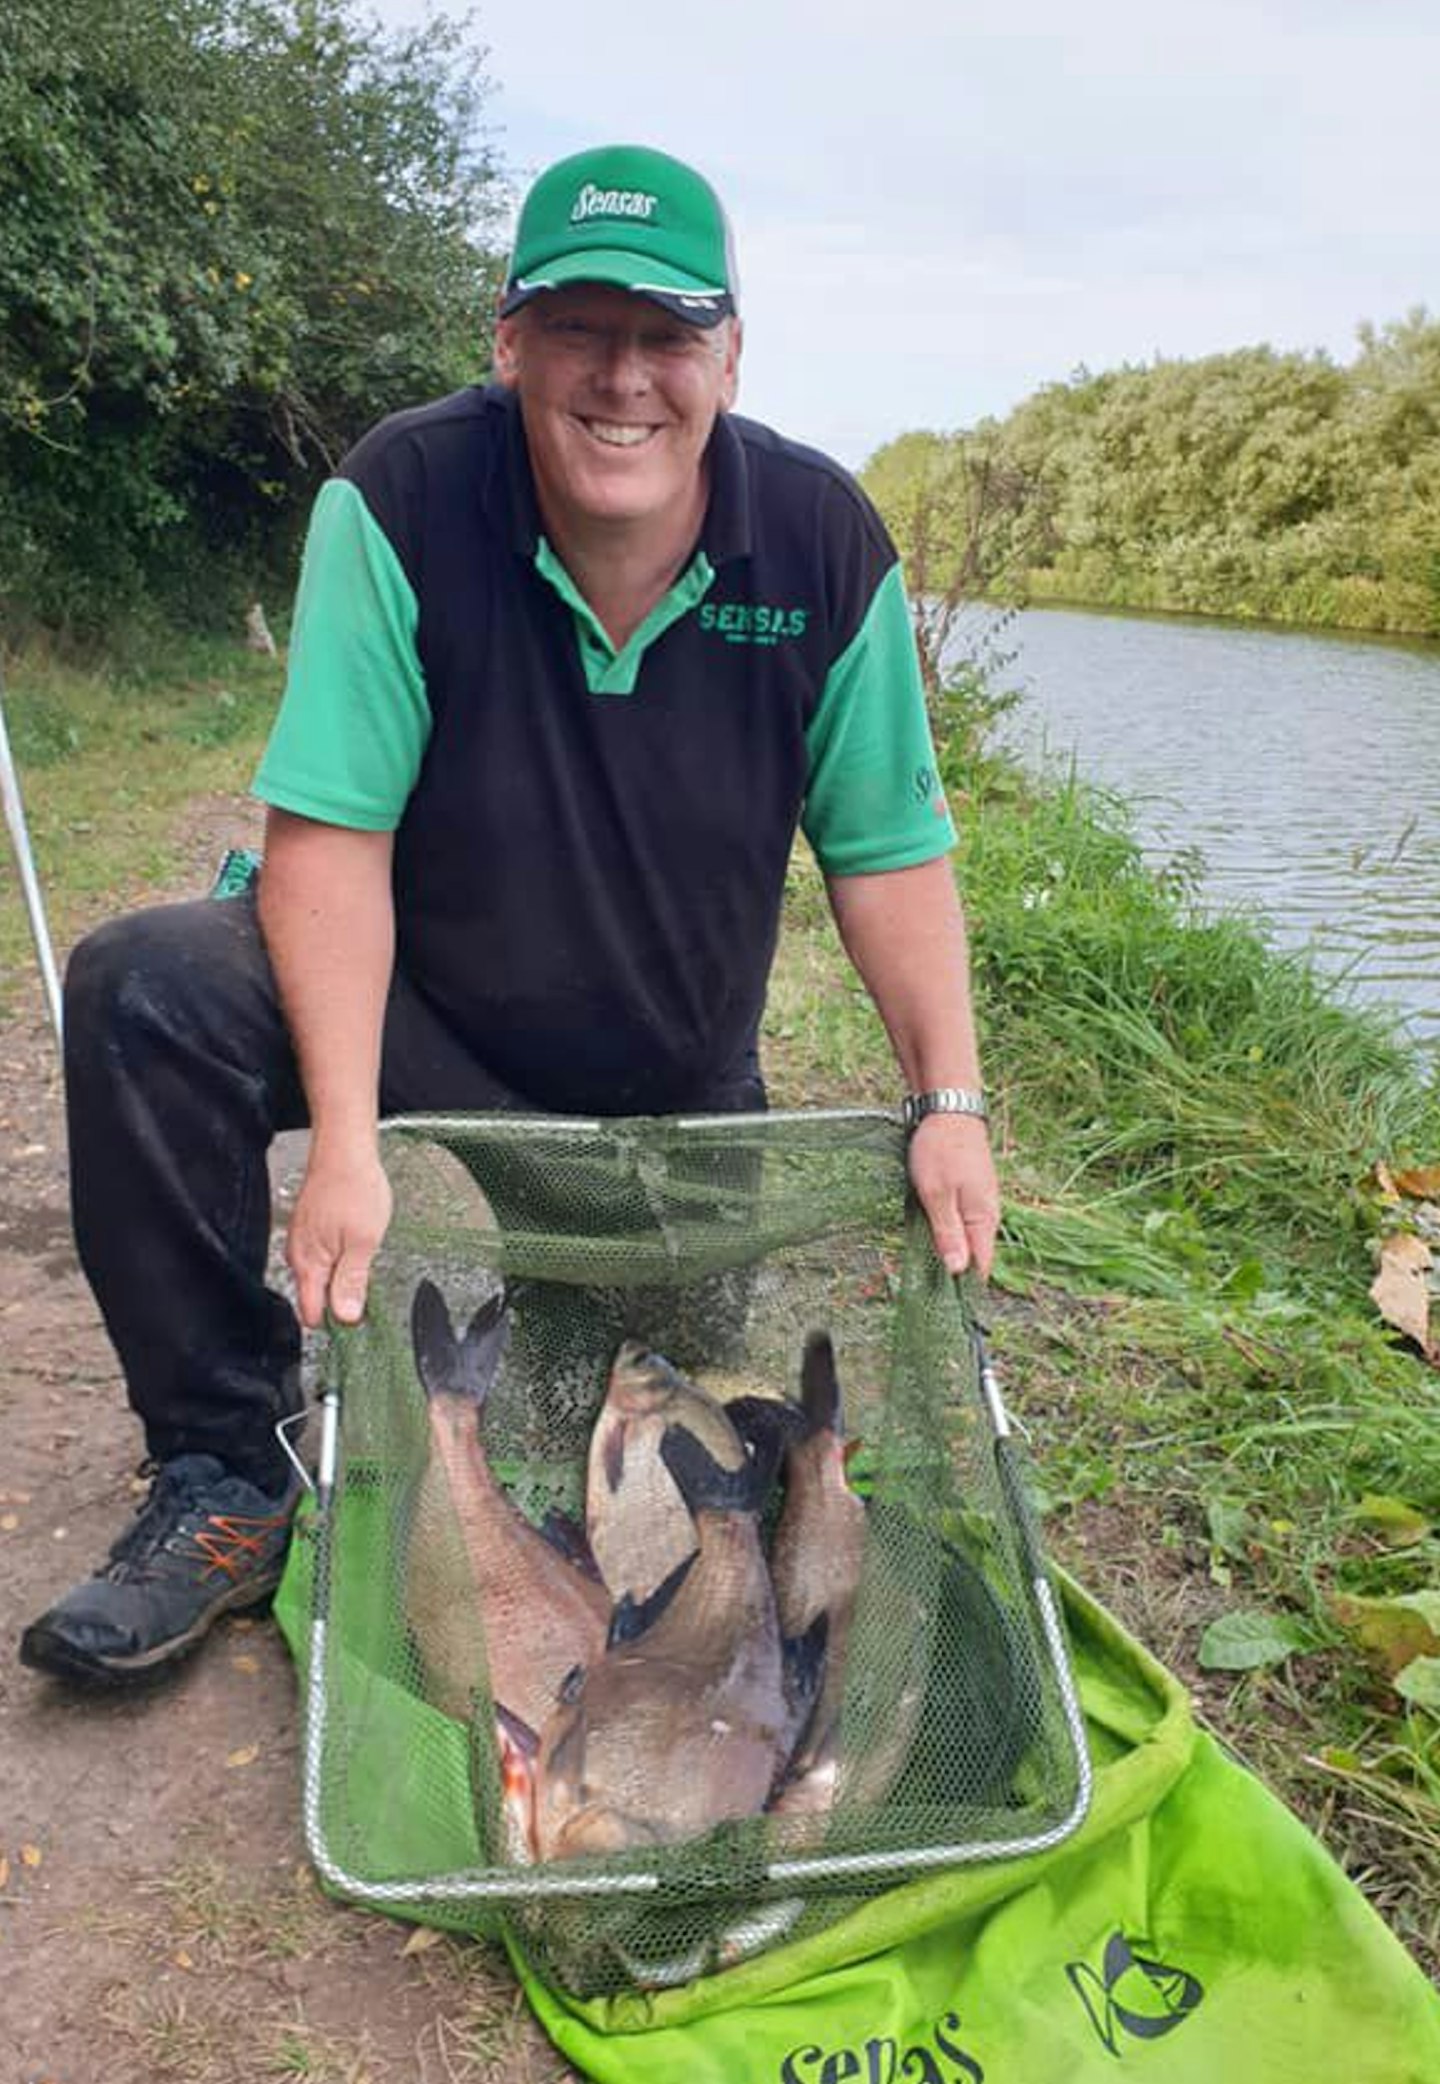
174,2041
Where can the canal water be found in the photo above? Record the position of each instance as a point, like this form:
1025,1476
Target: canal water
1305,770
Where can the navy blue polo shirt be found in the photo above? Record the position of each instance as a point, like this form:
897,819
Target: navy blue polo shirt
591,844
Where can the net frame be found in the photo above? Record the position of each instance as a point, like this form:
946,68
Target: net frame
506,1887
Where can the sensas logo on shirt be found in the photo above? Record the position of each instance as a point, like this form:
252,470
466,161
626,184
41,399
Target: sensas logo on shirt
752,622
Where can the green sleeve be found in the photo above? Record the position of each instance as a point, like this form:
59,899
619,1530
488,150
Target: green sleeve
354,722
874,799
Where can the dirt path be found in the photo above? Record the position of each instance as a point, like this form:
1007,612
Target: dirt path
157,1915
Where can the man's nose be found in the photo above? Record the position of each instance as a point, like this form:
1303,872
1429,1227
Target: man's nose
623,361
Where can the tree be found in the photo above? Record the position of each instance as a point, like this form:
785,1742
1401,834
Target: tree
233,233
967,519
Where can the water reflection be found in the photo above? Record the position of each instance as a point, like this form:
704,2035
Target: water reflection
1305,769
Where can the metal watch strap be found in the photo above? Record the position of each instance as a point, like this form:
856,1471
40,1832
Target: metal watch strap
945,1099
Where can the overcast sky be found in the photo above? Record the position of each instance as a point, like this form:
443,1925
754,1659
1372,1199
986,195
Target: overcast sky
940,207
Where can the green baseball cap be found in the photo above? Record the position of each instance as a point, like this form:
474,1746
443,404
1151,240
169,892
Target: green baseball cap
631,217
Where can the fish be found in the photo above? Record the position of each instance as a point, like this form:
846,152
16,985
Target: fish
638,1524
815,1563
685,1721
522,1614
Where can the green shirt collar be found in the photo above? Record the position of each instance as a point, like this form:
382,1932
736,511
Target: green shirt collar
608,671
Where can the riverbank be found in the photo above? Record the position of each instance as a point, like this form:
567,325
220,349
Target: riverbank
1287,616
1219,1423
1231,1447
1171,580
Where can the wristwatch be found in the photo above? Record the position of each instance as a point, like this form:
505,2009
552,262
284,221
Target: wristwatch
945,1099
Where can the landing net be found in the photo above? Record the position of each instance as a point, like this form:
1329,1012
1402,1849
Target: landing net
719,1243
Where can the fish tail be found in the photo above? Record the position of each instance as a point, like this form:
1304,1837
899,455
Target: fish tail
457,1367
768,1428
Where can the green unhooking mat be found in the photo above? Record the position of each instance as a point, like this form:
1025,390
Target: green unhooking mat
1192,1932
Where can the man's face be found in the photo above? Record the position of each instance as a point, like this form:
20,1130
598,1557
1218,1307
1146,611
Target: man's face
618,400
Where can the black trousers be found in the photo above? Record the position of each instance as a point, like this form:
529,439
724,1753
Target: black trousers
179,1073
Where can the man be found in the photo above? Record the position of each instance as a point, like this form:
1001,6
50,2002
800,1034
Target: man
571,657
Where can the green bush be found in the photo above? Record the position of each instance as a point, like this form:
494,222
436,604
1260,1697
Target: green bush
237,233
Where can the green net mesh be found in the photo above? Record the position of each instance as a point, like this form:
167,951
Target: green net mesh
719,1243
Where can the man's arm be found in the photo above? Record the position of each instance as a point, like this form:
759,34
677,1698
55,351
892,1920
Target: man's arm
329,925
904,931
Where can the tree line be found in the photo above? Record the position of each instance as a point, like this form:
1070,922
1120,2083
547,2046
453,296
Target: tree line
1260,483
233,233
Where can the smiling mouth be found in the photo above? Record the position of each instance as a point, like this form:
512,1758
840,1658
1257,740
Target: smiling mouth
618,434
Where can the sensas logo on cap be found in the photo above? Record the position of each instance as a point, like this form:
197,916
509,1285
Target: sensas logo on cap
612,202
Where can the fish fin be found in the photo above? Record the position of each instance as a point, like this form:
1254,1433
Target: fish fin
767,1427
819,1383
515,1731
568,1539
566,1734
804,1663
703,1483
631,1617
612,1457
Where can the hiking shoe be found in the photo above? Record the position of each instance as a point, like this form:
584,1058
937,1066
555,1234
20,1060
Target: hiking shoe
204,1543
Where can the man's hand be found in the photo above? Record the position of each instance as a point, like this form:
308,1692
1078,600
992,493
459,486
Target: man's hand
953,1173
341,1213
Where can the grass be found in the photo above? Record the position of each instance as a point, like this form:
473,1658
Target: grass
107,760
1188,1127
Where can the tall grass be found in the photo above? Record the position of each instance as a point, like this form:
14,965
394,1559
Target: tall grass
109,754
1191,1123
1155,1054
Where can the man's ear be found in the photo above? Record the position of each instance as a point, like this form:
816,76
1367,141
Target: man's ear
507,353
730,382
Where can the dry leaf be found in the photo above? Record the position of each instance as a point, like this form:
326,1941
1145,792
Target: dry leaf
1400,1292
4,1870
30,1856
9,1521
245,1756
245,1662
421,1940
1421,1182
182,1959
1396,1630
1384,1180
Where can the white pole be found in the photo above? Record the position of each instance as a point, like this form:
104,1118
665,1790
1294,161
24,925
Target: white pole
29,883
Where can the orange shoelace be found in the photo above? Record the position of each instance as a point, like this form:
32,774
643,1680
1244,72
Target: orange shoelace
225,1544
